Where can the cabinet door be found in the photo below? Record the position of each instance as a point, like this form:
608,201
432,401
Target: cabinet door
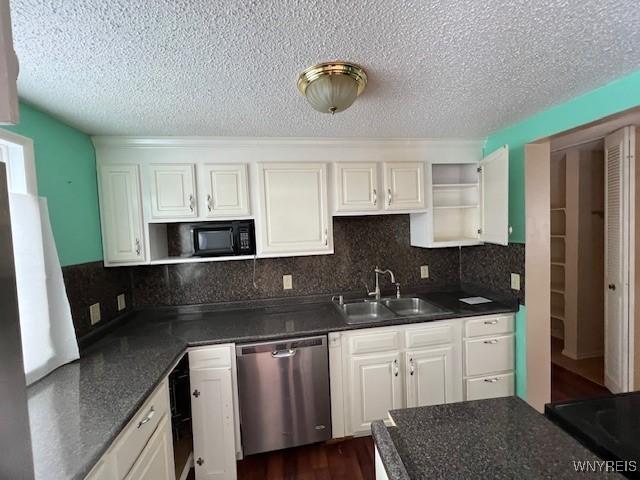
375,388
212,419
357,187
404,186
156,460
172,191
225,190
494,183
121,212
294,208
430,376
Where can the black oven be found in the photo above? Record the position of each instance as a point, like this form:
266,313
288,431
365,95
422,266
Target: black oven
217,239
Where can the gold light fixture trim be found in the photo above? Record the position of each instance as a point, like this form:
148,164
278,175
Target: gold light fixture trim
333,69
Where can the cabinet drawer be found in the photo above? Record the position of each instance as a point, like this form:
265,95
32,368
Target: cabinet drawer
429,335
478,327
491,354
374,342
211,357
136,435
490,387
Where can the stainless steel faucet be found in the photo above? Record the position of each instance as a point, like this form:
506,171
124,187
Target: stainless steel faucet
376,292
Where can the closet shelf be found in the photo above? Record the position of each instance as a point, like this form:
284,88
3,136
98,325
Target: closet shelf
444,207
557,264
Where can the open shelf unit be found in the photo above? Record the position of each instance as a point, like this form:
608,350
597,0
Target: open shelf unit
558,242
456,202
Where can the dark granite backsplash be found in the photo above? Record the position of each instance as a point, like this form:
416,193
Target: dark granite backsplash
360,243
490,266
89,283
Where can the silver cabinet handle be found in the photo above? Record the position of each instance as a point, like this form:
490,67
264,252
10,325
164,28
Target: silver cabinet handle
210,203
326,237
490,322
396,370
491,342
283,353
389,197
375,197
147,418
411,367
491,380
138,246
191,203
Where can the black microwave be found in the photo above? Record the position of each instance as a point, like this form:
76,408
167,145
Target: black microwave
217,239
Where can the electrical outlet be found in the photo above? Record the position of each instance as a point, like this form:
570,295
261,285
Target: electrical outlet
424,271
94,313
515,281
122,303
287,282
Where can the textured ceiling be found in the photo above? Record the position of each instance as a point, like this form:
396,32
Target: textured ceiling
440,68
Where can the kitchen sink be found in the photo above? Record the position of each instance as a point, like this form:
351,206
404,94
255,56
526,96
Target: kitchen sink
365,312
411,306
368,311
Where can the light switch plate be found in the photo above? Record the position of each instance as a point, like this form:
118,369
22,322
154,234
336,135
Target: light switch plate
94,313
424,271
122,303
515,281
287,282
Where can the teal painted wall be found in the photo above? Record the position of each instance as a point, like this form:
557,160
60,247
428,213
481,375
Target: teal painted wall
66,172
612,98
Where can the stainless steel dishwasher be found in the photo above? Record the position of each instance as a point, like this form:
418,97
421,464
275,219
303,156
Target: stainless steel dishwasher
284,393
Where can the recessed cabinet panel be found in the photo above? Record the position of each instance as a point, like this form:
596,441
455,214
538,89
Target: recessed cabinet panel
376,388
430,376
357,187
121,213
404,186
172,191
226,192
213,428
494,181
294,208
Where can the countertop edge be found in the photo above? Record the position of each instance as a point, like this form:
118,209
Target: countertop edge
390,457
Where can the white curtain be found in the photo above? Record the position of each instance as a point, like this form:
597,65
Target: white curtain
48,336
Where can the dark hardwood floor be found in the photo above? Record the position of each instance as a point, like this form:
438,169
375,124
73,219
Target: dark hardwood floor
566,385
351,459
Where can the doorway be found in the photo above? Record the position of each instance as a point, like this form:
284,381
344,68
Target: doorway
577,237
580,261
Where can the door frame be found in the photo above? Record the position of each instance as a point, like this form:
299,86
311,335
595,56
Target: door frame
537,158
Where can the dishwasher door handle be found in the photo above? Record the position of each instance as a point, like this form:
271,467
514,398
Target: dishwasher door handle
283,353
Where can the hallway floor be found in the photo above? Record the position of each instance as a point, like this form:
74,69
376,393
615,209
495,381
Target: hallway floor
590,368
566,385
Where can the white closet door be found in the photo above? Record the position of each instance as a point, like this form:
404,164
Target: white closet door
494,179
616,325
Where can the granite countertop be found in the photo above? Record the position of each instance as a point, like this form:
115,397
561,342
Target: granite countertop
500,438
78,410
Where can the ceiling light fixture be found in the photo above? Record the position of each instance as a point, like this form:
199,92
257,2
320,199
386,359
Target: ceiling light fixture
332,87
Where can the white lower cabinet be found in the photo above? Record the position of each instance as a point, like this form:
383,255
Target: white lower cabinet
144,448
489,357
375,370
430,379
156,460
376,388
213,412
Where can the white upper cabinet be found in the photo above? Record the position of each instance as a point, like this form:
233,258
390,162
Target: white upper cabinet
173,192
224,190
9,66
469,203
494,185
356,186
294,208
404,186
121,213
